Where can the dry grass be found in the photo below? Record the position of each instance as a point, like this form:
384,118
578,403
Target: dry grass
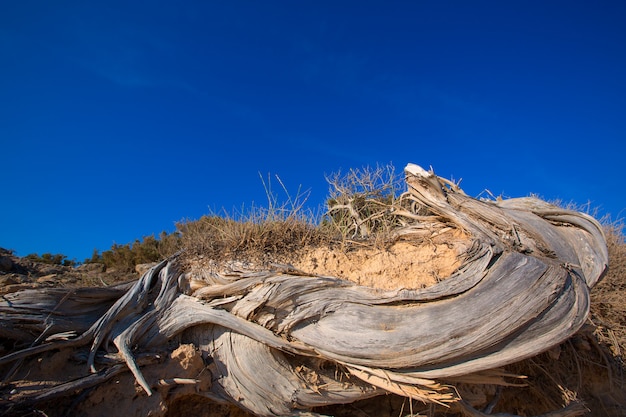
257,233
360,212
608,298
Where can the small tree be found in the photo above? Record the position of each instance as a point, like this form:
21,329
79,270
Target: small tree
95,257
52,259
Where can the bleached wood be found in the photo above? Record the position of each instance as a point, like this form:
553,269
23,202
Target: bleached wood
283,341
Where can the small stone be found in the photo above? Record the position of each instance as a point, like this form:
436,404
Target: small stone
47,278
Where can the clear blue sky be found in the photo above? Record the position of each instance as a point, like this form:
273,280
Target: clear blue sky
118,119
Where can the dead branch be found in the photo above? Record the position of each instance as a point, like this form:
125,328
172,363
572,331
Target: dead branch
522,288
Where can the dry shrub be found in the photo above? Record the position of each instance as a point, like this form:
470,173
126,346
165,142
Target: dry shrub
360,208
360,202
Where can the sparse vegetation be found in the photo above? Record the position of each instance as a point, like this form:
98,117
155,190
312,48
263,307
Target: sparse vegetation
52,259
124,258
608,298
362,205
360,202
284,225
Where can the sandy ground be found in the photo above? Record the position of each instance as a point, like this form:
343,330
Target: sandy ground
402,265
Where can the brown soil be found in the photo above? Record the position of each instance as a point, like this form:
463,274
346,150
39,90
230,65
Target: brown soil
128,399
401,265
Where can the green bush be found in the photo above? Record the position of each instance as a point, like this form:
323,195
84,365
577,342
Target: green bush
52,259
149,249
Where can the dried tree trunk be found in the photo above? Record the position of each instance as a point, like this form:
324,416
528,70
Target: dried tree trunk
280,342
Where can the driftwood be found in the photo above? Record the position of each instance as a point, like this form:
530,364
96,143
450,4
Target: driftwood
281,341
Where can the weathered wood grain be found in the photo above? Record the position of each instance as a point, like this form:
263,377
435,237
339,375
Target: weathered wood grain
279,342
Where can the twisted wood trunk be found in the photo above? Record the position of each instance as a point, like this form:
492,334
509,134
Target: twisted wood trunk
282,341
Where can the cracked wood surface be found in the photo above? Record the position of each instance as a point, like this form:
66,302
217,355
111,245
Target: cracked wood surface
280,341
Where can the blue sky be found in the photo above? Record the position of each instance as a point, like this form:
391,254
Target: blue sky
118,119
